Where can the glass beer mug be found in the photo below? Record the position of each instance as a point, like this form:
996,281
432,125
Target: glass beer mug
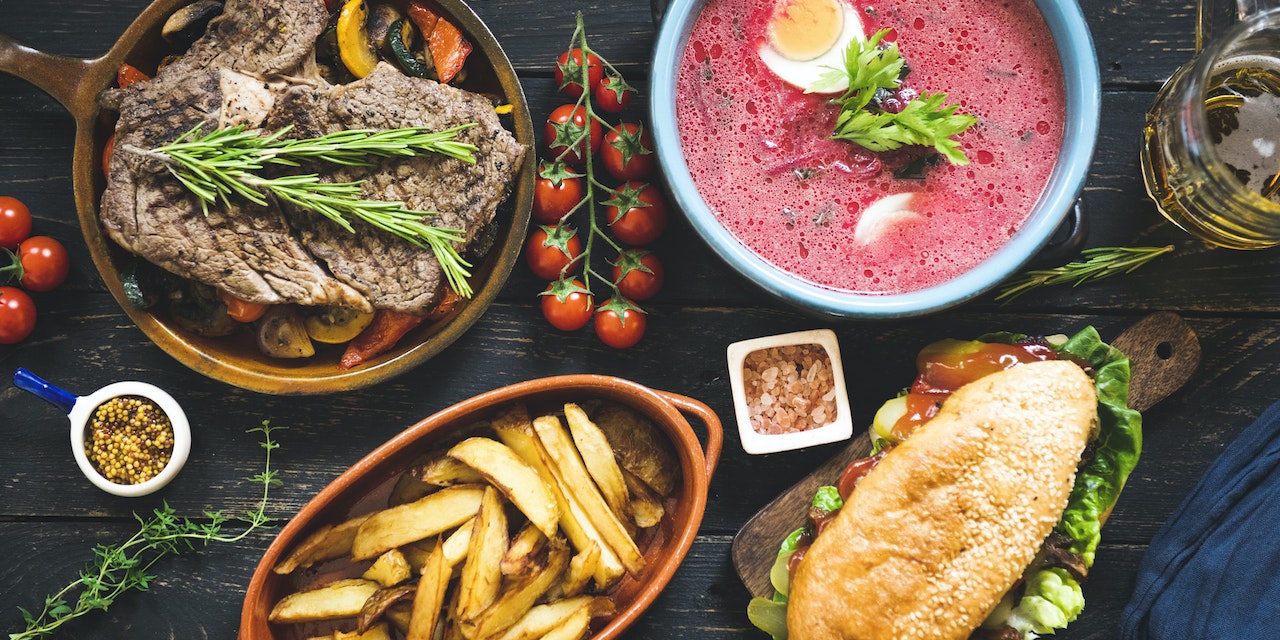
1211,146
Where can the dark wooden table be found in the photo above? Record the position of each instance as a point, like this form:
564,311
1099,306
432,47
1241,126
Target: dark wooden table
50,517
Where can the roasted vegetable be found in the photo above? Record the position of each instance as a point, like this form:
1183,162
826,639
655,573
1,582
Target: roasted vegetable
399,46
354,46
196,308
386,329
336,325
282,334
448,48
188,23
380,23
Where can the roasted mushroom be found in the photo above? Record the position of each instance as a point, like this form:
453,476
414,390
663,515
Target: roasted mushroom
188,23
283,334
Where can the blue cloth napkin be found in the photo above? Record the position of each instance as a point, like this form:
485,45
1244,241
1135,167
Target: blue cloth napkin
1213,570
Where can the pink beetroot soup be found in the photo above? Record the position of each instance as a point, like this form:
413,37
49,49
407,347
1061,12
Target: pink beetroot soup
758,151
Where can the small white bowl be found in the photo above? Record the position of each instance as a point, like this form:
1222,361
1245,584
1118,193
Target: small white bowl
80,409
839,428
82,413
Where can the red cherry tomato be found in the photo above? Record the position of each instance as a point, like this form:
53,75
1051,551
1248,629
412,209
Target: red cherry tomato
619,323
550,249
612,94
638,274
569,71
15,222
567,305
567,133
553,198
17,315
637,214
627,152
44,263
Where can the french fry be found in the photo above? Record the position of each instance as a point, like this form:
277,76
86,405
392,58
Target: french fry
400,525
482,573
326,543
569,469
573,628
389,569
581,568
339,599
455,547
646,504
545,617
517,600
598,457
378,604
376,632
524,546
515,429
446,472
429,600
513,477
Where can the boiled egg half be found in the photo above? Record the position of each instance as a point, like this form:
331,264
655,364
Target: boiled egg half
805,39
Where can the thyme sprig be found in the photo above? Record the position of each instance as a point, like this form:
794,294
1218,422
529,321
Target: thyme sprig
119,569
926,120
226,162
1099,263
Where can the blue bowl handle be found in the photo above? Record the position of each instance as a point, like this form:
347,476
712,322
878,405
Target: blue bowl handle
60,398
1066,242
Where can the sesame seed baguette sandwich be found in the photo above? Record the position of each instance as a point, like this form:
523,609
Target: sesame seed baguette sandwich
978,514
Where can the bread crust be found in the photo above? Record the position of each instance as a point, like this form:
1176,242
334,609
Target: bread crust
949,519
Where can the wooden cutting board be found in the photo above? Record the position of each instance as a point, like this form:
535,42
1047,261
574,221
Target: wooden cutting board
1164,352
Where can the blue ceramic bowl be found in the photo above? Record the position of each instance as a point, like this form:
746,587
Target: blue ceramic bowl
1083,104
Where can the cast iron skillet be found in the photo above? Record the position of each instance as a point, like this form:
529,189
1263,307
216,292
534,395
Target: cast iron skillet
76,84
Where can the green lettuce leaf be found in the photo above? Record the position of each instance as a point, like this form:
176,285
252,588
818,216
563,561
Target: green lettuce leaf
1051,601
1117,448
770,614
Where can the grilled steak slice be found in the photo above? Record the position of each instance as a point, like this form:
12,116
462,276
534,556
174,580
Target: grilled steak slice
392,272
272,255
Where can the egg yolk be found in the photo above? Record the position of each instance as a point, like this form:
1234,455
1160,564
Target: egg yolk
805,29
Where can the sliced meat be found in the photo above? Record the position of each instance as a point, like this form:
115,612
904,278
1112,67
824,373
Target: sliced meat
254,67
392,272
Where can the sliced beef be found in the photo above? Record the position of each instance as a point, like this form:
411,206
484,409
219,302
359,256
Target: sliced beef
254,67
392,272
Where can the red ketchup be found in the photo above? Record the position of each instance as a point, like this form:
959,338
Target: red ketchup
947,365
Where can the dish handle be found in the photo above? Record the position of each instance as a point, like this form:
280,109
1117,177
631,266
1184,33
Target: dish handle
715,432
58,76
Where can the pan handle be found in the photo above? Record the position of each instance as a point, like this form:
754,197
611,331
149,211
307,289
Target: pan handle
715,432
58,76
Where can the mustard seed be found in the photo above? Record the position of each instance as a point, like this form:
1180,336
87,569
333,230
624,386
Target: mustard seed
130,440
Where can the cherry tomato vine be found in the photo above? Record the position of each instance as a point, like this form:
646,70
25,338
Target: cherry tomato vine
617,211
34,263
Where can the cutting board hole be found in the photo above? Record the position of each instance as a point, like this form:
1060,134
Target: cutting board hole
1164,350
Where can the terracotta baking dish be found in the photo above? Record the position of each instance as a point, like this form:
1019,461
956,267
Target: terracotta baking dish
362,487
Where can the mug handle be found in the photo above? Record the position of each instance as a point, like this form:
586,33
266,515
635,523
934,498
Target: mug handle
715,432
1210,12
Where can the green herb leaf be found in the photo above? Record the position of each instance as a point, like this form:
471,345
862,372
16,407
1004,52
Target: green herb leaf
226,162
926,121
124,567
1099,263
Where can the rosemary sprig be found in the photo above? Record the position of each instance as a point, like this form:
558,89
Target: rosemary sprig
125,567
225,162
927,120
1099,263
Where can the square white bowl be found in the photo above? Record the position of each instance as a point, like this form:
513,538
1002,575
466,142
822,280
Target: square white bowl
840,428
